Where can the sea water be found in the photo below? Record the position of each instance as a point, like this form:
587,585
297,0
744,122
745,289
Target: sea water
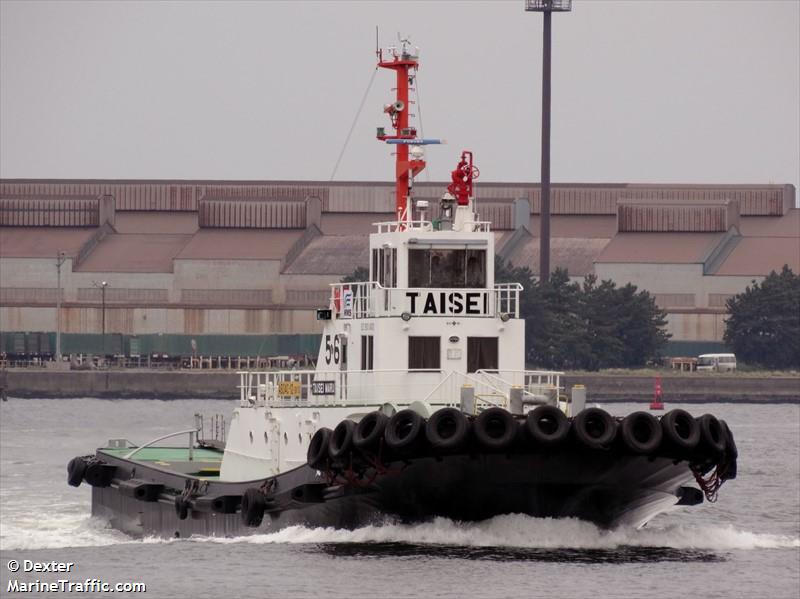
745,545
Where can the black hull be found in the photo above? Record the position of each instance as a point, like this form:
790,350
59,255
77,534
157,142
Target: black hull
603,487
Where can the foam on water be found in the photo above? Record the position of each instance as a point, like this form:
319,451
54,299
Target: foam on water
519,531
56,530
64,529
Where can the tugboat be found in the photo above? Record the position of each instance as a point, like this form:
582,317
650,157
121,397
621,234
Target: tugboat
419,406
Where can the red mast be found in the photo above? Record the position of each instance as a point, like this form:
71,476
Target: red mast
405,65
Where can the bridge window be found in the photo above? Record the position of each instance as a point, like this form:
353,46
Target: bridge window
447,268
424,353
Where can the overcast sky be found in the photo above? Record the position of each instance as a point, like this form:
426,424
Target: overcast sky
643,91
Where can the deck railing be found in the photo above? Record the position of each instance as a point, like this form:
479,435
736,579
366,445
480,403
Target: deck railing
400,387
483,226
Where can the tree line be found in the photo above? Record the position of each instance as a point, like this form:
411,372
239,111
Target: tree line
588,326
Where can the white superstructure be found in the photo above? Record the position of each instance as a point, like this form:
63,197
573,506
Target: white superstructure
429,328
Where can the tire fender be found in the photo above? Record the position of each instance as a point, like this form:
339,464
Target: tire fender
594,428
447,429
641,433
547,426
495,429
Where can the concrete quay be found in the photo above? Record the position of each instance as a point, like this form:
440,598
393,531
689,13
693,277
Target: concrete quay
689,388
221,384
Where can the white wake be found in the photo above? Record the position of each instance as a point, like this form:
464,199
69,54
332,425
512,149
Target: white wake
56,530
519,531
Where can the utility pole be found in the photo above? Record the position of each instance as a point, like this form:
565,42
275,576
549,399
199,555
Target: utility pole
61,257
102,286
547,7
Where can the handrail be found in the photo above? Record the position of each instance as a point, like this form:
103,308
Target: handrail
471,379
498,379
149,443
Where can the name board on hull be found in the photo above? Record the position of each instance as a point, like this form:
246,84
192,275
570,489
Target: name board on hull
323,387
435,303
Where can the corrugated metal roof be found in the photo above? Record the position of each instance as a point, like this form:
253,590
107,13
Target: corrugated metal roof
352,223
758,256
71,211
769,226
349,196
577,255
180,223
251,213
27,242
661,216
334,254
239,244
660,248
765,200
134,253
592,226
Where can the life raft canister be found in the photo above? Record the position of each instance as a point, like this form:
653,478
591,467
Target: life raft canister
337,300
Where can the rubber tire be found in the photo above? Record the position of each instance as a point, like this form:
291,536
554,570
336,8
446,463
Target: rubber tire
730,443
585,423
341,440
253,505
711,434
632,424
675,421
540,435
447,430
75,471
486,430
99,474
317,454
404,430
369,430
731,453
181,507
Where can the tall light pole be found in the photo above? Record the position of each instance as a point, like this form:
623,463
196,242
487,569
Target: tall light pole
547,7
61,257
102,285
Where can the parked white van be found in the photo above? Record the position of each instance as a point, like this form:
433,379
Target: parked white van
716,362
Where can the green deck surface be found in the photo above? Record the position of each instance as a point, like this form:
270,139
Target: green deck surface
166,454
205,463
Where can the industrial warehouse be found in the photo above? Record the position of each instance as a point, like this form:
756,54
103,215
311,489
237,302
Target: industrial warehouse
237,268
